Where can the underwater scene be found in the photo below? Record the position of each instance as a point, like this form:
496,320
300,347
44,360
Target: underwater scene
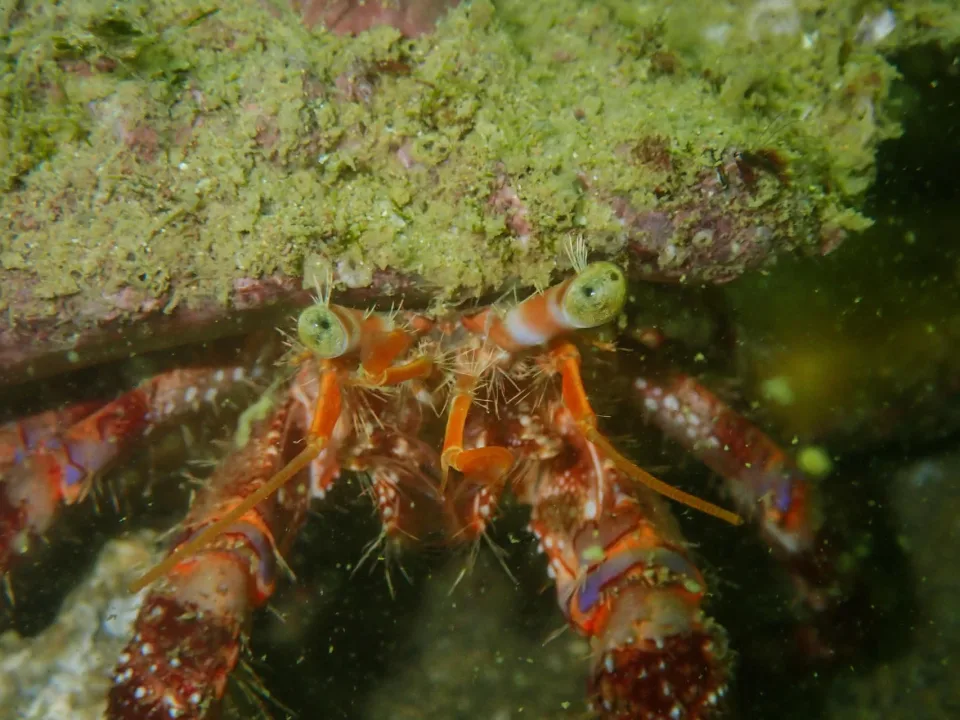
491,359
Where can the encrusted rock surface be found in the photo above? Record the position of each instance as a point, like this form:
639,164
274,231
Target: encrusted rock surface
65,671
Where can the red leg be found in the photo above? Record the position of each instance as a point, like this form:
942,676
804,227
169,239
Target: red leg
625,581
63,467
323,422
187,634
21,438
761,478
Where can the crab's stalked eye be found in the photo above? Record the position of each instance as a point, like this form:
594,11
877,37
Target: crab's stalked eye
322,332
596,295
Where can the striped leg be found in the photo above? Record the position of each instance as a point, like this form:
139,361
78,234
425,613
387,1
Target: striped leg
625,582
188,633
62,467
24,437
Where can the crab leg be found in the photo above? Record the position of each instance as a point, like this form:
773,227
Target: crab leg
403,485
403,469
624,578
567,362
484,469
763,481
188,632
23,437
487,465
322,425
62,469
625,581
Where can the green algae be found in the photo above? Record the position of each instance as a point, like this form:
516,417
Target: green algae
173,148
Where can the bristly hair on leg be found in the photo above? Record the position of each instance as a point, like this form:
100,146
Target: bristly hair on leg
390,550
501,380
555,634
294,348
444,364
389,555
538,378
390,316
474,552
284,566
366,419
252,687
473,363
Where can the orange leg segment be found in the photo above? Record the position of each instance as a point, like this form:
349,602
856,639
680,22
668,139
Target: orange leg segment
329,403
487,464
566,359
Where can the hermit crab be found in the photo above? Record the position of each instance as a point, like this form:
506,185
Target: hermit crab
444,414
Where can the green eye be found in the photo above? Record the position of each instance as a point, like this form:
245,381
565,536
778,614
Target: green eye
595,296
322,332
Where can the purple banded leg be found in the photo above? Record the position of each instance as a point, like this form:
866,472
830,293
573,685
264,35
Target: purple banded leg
61,467
625,582
21,438
761,478
187,636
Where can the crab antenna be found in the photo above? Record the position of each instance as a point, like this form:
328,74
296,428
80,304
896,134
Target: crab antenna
210,532
644,478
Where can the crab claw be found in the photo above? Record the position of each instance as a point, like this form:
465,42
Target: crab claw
641,673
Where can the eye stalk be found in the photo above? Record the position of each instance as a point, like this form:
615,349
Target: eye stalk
322,332
595,296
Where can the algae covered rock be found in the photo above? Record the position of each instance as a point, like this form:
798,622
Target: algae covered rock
168,165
